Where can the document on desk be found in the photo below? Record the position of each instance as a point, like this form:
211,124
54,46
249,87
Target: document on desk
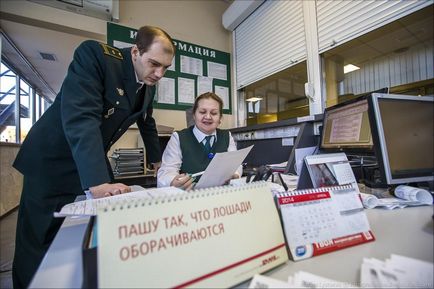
89,207
222,167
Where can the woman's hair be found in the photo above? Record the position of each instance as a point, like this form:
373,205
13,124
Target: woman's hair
146,36
208,95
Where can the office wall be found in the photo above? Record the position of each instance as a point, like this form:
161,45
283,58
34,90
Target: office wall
196,22
10,179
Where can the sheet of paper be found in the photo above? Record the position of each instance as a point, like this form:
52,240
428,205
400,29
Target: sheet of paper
222,167
89,207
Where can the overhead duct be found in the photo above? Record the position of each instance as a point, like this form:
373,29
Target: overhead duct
103,9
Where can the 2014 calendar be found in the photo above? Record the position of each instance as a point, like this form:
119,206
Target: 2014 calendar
321,220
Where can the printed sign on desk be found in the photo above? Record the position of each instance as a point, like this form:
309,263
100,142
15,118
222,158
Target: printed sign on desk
215,237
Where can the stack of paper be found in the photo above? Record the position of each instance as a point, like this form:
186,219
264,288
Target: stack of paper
404,196
395,272
300,279
90,207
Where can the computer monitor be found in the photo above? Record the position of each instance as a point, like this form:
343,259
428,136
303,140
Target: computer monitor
402,131
346,127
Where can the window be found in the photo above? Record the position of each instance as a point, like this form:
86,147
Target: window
277,97
15,126
398,55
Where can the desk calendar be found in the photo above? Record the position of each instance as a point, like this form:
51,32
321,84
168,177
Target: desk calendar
321,220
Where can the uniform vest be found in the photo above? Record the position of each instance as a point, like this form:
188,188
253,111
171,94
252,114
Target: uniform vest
194,156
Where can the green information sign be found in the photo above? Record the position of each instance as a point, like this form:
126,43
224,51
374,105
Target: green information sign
195,69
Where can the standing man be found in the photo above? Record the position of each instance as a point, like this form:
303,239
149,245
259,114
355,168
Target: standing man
105,91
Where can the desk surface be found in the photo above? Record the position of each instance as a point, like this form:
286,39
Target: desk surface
407,232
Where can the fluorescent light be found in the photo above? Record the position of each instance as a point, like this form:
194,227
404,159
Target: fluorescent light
350,67
253,99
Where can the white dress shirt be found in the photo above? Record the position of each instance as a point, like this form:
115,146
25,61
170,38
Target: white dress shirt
172,157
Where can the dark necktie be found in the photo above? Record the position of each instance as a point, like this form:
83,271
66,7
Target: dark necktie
139,98
208,143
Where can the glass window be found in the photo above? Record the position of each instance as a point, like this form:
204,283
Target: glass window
7,104
37,106
25,109
398,56
28,106
277,97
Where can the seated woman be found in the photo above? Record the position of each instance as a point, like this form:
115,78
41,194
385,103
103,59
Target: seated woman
188,150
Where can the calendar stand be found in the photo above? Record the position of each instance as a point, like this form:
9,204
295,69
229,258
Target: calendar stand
322,220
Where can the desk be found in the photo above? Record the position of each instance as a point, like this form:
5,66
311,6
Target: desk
407,232
146,181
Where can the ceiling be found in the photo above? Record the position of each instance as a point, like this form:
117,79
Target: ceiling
32,39
410,31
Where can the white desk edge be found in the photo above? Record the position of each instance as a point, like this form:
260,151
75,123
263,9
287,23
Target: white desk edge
407,232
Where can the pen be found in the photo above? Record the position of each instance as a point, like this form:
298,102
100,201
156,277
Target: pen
197,174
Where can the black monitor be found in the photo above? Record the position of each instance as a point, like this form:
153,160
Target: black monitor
402,131
346,127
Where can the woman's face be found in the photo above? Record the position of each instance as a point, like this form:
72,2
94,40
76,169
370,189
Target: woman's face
207,116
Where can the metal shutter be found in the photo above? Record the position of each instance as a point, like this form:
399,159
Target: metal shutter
271,39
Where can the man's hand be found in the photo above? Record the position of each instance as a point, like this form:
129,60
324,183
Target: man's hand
106,190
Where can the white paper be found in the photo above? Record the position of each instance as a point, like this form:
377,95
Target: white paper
260,281
396,272
166,90
414,194
222,167
223,92
185,90
204,84
369,201
304,279
191,65
217,70
299,157
89,207
406,197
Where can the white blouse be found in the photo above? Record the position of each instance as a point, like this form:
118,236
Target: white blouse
172,157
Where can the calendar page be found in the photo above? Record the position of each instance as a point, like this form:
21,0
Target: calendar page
321,220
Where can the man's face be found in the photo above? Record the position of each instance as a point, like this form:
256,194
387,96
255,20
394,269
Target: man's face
151,65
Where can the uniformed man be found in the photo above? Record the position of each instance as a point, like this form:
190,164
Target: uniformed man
105,91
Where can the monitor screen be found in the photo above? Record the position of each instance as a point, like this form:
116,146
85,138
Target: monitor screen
346,126
402,129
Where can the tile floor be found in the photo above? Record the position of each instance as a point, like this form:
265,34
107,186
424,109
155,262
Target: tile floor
7,238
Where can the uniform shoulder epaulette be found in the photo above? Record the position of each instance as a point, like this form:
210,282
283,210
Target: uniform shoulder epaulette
111,51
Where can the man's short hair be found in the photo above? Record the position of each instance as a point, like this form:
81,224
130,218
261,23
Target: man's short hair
146,36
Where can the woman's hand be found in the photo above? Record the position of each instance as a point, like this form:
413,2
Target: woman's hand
234,176
107,190
183,181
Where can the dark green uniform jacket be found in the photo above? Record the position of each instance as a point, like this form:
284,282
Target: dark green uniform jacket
65,151
194,156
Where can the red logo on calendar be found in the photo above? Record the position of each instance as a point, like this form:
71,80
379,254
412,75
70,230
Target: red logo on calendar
304,198
342,242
